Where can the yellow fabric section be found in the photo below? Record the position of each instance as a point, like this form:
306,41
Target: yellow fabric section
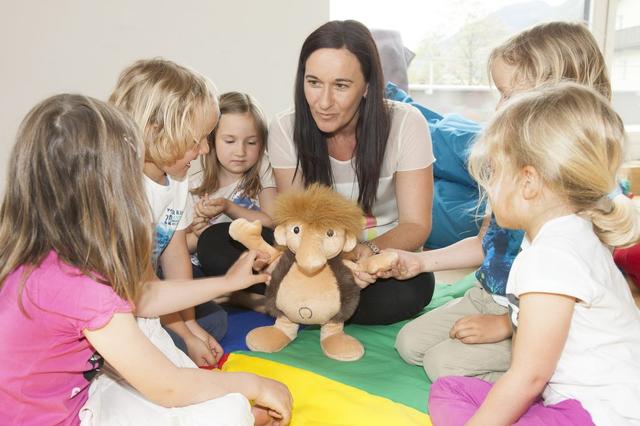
319,401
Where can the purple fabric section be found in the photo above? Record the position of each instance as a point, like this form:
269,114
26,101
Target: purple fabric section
454,400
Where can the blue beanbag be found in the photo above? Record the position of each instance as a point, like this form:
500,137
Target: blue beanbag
455,195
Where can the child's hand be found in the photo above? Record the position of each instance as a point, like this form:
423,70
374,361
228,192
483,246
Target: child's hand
481,328
241,275
211,208
199,351
407,266
199,224
276,399
208,339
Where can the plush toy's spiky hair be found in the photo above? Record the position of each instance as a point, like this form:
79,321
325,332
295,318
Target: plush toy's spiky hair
320,207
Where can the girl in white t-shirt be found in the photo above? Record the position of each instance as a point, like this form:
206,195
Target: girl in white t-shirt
236,181
548,162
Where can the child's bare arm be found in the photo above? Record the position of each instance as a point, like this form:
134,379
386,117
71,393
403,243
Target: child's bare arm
176,264
543,326
235,211
163,297
146,368
266,198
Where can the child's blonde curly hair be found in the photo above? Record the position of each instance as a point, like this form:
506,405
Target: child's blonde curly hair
165,100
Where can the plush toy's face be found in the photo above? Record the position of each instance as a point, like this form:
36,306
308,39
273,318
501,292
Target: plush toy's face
313,246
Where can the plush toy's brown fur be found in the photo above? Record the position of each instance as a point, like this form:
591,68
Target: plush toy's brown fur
312,283
321,208
349,290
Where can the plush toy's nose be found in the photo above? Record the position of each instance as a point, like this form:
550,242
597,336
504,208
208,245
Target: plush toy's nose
310,257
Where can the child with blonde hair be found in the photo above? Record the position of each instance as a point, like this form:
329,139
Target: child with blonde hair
236,182
176,110
75,224
548,162
471,336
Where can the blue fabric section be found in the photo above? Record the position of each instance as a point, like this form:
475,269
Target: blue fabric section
455,198
500,246
241,322
454,214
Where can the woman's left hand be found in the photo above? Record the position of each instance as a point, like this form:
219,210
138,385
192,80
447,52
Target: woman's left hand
362,278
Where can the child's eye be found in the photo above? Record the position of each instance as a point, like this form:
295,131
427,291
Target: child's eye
252,142
229,140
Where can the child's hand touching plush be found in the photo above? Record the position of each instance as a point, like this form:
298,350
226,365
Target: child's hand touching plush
241,275
481,328
408,265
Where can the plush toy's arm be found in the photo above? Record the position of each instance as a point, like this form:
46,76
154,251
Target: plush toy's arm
373,264
249,234
379,262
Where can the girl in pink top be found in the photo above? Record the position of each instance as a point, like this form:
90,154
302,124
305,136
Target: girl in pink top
74,226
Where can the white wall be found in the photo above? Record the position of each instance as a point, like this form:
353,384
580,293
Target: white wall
49,47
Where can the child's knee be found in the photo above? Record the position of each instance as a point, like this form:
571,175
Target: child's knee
407,346
440,362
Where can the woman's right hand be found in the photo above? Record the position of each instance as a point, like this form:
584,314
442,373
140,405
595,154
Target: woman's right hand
240,275
276,398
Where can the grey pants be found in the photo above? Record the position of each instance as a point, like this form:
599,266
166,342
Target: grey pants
425,341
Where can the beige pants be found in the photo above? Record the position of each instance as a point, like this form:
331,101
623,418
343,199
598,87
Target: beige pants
425,341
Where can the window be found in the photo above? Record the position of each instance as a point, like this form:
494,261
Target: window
625,69
452,40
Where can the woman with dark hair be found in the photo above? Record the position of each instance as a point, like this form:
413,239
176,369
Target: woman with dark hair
343,133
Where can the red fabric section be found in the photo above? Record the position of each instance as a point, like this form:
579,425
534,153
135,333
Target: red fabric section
628,259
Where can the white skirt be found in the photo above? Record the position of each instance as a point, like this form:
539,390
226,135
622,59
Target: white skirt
112,401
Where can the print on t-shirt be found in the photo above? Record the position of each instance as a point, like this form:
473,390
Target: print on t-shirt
500,247
164,231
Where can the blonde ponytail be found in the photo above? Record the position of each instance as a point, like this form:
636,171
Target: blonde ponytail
617,222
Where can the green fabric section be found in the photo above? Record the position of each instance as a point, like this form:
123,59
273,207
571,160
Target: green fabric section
381,371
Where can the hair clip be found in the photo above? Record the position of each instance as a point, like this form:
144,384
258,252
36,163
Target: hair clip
133,147
617,191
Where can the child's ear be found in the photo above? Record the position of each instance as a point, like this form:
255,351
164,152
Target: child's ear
280,235
350,242
531,182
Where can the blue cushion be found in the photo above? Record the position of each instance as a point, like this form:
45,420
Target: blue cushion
455,197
